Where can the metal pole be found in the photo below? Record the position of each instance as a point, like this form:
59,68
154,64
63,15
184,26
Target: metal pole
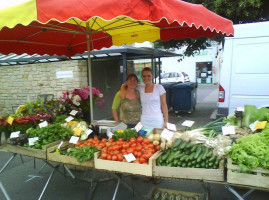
4,191
159,63
124,63
11,158
89,68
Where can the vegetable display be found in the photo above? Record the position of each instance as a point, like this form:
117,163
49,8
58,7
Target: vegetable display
186,154
251,151
126,134
47,135
82,154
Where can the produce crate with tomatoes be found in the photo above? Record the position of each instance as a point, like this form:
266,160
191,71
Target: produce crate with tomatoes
113,154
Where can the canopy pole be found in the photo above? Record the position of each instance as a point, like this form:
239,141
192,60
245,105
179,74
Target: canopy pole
89,69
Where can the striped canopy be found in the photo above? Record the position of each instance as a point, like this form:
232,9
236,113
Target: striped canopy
62,27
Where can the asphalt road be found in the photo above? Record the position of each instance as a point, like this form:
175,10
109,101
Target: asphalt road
24,182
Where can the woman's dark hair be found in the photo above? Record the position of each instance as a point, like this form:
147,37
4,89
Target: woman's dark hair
130,76
147,69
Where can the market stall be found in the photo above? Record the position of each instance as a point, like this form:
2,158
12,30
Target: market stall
199,153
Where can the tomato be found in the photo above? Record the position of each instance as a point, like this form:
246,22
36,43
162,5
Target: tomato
108,144
137,161
130,150
157,147
139,147
142,160
120,139
133,145
104,140
114,157
103,156
95,138
139,154
125,145
151,145
139,139
120,156
146,141
99,147
145,163
135,153
111,140
147,155
132,140
109,157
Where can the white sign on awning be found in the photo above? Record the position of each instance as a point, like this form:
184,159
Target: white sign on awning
64,74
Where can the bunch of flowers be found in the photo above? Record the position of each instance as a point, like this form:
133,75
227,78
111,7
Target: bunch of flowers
79,100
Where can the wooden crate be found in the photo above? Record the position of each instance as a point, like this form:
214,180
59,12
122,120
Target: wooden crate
189,173
254,179
51,156
36,153
124,167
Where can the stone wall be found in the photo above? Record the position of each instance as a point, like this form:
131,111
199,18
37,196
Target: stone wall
22,83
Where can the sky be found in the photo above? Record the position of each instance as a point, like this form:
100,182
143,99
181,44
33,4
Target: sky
9,3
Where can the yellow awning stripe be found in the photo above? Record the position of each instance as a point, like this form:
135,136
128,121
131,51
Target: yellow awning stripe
15,16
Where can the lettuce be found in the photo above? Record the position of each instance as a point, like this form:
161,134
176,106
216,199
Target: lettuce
251,151
252,114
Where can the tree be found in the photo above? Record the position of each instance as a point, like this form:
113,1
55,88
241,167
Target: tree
239,11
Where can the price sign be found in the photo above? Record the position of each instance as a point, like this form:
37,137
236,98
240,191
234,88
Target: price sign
129,157
10,120
32,141
73,112
240,109
43,124
166,134
138,126
228,130
59,146
188,123
171,127
15,134
252,126
69,119
74,140
88,132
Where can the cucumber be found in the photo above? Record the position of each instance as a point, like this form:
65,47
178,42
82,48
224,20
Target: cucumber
178,155
197,165
170,157
189,164
175,162
187,152
176,143
183,157
205,153
189,145
194,148
210,153
192,155
203,164
193,162
212,158
169,165
165,156
184,164
199,159
183,145
217,162
198,151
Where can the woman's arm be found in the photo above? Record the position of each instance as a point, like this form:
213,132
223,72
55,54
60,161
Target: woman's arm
123,91
115,115
164,109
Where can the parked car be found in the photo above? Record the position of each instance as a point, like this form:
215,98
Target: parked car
174,77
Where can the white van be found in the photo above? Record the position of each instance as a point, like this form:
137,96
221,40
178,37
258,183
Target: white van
244,74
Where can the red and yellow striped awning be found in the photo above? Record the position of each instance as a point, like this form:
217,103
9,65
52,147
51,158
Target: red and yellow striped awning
59,26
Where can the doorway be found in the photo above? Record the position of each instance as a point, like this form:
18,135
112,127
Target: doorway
204,72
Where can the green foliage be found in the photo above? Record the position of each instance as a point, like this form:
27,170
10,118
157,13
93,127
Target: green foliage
252,114
82,154
48,135
239,11
126,134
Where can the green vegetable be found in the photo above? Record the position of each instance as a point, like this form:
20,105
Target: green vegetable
251,151
82,154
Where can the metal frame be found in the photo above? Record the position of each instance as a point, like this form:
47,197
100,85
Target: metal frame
235,193
4,191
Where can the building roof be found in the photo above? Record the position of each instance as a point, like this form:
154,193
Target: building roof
132,53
